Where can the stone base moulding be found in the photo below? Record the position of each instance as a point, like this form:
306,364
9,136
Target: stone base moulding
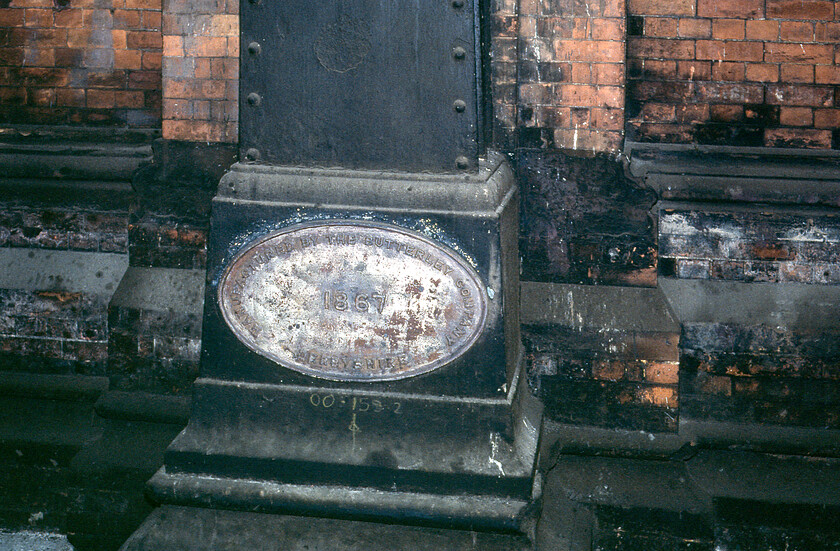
410,417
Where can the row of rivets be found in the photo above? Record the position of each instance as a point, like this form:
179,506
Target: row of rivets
254,99
460,106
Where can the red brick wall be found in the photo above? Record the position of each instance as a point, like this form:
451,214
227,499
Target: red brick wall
739,72
201,70
503,65
734,72
80,62
571,73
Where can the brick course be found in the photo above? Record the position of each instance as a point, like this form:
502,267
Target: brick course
200,68
760,53
750,246
62,228
80,64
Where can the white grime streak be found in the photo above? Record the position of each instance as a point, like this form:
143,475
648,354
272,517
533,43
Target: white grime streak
494,448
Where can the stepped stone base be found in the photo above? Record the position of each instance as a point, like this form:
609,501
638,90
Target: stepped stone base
170,528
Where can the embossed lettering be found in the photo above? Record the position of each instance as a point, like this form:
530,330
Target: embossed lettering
360,302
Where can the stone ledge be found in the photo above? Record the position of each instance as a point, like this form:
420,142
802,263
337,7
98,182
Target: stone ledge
794,306
596,307
70,153
707,501
143,406
61,271
482,195
161,289
751,174
189,528
85,388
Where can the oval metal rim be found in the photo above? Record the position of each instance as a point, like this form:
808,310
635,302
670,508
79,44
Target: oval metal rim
454,256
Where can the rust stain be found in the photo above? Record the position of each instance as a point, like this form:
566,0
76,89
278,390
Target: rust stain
60,296
771,251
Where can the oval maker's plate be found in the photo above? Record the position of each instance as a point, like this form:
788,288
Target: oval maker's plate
353,301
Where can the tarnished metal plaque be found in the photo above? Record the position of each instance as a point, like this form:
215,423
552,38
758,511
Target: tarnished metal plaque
353,301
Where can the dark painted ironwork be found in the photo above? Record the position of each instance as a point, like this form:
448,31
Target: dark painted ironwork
362,84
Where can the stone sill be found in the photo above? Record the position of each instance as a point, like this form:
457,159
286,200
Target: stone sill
69,153
726,173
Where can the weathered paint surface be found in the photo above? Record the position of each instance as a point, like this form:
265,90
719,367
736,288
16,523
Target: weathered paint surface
353,301
762,245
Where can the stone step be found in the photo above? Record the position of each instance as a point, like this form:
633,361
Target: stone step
171,527
712,500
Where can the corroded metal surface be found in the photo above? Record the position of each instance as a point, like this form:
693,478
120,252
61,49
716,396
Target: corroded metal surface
353,301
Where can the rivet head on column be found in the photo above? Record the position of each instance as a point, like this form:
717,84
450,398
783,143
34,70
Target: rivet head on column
462,162
254,48
252,154
459,105
254,99
458,52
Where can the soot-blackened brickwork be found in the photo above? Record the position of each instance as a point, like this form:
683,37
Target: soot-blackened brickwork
53,332
583,221
152,350
62,228
733,72
611,379
760,374
761,245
